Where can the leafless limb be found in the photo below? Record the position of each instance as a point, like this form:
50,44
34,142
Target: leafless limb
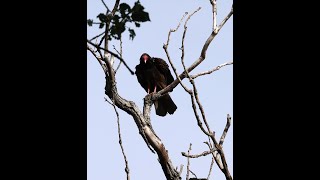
195,92
116,50
195,64
197,155
194,174
98,58
224,21
188,165
97,36
120,55
225,130
174,30
102,39
211,71
108,10
112,53
127,170
109,18
108,101
181,168
184,35
214,13
96,22
165,47
215,156
182,47
195,97
211,165
114,9
209,145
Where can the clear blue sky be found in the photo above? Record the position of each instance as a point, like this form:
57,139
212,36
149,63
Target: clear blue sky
105,160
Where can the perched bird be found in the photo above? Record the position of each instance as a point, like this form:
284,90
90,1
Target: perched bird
154,74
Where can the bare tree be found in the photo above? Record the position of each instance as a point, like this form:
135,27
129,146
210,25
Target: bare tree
106,59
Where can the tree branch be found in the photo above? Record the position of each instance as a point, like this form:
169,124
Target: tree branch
112,53
165,47
188,165
194,95
127,170
197,62
98,58
109,18
142,123
211,165
195,92
211,71
97,36
214,14
156,143
108,10
197,155
193,175
224,20
225,130
181,168
120,55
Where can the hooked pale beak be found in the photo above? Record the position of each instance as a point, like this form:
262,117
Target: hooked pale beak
145,60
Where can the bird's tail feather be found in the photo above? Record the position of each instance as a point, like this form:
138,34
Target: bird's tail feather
165,105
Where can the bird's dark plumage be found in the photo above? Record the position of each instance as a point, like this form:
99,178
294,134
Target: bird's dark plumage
154,74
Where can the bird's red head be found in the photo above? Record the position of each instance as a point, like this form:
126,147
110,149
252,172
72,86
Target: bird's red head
144,57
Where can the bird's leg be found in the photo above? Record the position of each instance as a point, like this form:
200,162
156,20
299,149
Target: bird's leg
155,89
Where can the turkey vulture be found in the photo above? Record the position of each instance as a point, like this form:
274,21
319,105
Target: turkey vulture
154,74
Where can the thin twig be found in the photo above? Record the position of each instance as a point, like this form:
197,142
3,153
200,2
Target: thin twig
108,20
211,71
183,37
215,156
97,36
214,14
115,8
127,170
197,155
114,54
224,169
182,47
195,92
165,47
197,115
190,79
181,168
225,130
120,55
188,165
194,174
195,63
108,101
174,30
220,159
211,165
224,20
102,39
98,58
116,50
108,10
